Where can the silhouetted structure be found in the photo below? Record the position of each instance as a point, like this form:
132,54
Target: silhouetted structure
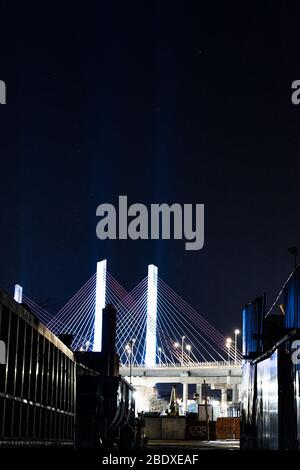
271,373
51,396
37,383
105,401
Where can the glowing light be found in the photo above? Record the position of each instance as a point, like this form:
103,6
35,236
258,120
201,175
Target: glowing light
236,332
215,403
99,304
18,296
188,347
176,345
150,357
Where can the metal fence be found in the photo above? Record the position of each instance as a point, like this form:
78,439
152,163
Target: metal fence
37,381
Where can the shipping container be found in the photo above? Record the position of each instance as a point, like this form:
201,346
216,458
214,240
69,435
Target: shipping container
267,403
253,315
270,395
292,301
270,405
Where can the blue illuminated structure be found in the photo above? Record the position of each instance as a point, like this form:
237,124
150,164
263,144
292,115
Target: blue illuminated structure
18,295
99,304
150,357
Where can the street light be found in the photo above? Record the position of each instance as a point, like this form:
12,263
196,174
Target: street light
176,346
129,350
236,333
182,345
159,356
228,345
189,348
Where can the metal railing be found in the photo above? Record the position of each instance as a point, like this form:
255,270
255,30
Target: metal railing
194,365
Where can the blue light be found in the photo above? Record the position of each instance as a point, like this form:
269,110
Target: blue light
99,304
150,357
18,296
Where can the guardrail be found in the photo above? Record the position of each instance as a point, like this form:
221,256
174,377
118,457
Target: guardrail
187,365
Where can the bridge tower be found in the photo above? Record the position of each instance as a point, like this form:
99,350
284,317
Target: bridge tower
150,357
18,295
99,304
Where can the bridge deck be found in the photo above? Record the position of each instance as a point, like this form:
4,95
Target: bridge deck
204,370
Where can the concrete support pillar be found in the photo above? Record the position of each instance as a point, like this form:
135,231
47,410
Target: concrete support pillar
185,394
199,392
224,402
239,392
235,394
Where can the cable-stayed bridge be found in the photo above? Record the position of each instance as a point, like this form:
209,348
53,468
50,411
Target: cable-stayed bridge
155,326
159,335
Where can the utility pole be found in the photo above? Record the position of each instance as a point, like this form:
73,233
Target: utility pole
131,343
206,409
236,333
129,349
293,250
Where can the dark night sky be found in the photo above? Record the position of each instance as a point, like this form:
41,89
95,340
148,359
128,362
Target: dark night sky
165,102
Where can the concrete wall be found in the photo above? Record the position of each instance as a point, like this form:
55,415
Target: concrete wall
165,428
162,427
173,428
153,427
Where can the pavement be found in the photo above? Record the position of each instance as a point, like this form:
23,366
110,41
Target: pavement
168,445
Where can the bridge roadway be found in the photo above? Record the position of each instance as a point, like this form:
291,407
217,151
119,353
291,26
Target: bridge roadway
219,375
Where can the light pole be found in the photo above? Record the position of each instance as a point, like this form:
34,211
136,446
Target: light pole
236,333
189,348
228,345
182,346
159,356
176,346
129,349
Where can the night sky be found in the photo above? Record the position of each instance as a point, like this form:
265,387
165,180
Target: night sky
178,101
